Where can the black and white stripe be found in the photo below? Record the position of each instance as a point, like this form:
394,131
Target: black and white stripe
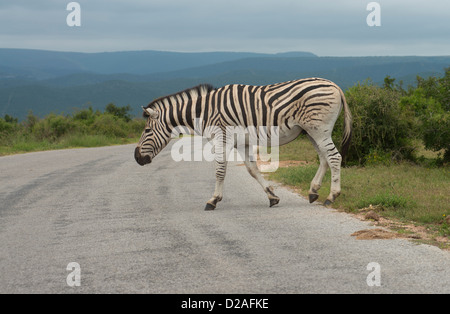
309,105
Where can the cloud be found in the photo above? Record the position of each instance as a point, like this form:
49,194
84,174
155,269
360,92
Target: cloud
324,27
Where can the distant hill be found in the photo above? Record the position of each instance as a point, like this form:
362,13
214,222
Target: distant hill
46,81
41,64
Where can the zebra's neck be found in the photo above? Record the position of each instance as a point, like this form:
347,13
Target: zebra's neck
185,109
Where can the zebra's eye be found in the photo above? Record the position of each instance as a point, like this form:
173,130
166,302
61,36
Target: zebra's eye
148,130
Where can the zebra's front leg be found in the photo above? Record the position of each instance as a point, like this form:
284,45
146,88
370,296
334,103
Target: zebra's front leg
252,168
221,168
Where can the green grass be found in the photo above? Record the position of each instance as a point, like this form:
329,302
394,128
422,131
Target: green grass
386,201
299,149
404,191
88,140
82,128
25,145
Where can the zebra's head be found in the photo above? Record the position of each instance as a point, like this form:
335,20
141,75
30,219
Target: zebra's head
152,139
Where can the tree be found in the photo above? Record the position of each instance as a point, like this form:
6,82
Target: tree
119,112
10,119
389,83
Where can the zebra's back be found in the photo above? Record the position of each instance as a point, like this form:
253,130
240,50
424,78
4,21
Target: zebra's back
298,102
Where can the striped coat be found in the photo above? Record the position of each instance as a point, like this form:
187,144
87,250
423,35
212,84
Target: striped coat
309,106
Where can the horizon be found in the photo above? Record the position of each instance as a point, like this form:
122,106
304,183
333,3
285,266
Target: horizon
223,51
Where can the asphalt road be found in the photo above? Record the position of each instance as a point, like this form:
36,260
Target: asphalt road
134,229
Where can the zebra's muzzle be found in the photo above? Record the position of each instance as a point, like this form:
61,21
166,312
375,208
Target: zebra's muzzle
142,160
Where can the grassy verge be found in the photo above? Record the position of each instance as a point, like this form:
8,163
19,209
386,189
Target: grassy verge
403,191
25,145
83,128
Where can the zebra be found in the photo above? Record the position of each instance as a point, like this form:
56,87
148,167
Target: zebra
310,106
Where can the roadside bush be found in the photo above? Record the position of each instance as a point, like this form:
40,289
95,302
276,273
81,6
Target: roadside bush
86,116
119,112
376,157
437,88
380,126
109,125
136,126
430,103
83,128
436,133
9,128
7,125
52,127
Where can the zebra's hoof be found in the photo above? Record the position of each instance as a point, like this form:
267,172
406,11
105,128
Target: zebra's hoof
327,203
274,201
313,198
209,207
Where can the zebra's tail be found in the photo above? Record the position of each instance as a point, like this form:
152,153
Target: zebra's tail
347,136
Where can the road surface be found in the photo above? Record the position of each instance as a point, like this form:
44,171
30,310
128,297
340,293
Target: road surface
134,229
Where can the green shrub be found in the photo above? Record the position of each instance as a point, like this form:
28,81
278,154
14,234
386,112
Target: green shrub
83,128
429,103
119,112
136,126
436,133
379,125
52,127
376,157
109,125
7,126
86,116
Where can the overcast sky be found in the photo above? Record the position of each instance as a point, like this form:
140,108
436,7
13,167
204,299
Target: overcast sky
324,27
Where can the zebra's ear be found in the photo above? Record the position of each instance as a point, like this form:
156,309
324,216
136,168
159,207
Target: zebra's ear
151,113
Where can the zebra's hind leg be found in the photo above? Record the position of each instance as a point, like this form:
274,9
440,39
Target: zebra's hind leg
316,183
329,157
254,172
334,160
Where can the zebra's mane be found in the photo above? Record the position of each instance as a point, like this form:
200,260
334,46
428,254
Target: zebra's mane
199,90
